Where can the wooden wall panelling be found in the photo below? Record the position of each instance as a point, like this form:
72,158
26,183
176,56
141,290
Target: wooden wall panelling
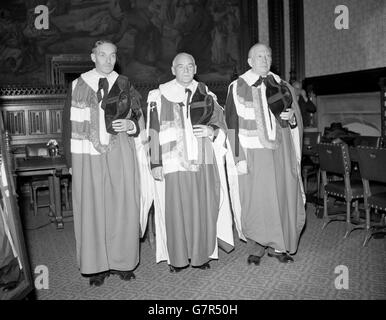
57,66
297,51
32,115
382,84
16,122
249,30
276,36
37,122
55,121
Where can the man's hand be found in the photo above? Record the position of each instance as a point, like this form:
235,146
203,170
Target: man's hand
304,95
123,125
202,131
241,167
288,115
157,173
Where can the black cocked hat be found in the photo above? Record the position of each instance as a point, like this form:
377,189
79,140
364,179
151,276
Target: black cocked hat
279,98
201,111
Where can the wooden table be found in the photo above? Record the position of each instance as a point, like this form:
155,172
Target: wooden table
53,167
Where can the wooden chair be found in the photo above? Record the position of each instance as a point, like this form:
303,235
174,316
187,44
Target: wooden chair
310,164
372,163
368,141
41,182
335,159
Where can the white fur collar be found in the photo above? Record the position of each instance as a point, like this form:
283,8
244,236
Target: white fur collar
92,78
174,92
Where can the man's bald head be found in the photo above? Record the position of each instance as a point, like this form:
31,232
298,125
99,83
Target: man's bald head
180,55
260,59
258,46
184,68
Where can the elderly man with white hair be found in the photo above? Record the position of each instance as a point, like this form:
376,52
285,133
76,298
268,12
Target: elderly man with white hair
265,128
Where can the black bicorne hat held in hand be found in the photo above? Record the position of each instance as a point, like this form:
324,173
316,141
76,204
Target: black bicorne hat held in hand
201,111
123,102
279,98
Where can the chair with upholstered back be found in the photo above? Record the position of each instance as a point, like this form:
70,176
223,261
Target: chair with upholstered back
335,159
372,163
368,141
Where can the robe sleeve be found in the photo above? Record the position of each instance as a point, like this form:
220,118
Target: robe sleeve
298,114
232,122
66,127
217,121
136,113
154,129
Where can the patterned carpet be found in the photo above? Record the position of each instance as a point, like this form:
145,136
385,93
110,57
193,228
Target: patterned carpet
310,277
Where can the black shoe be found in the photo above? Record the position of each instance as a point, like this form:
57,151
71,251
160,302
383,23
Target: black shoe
99,278
282,257
124,275
254,259
175,269
204,266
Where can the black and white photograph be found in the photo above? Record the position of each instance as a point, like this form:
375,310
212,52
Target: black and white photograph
197,157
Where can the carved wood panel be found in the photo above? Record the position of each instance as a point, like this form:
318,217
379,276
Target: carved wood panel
16,122
55,121
249,30
32,115
37,122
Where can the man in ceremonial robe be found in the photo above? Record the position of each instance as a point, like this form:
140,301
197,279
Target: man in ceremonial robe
265,129
102,121
187,132
10,263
